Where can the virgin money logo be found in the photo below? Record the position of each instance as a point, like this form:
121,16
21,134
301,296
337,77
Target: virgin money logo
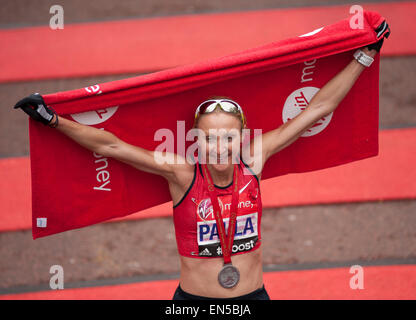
296,102
94,117
95,89
205,209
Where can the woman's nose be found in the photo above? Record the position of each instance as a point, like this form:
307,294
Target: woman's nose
222,148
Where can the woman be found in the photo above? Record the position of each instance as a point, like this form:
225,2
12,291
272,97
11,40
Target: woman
207,196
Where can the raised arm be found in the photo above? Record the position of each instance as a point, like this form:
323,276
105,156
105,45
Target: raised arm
323,103
107,144
103,142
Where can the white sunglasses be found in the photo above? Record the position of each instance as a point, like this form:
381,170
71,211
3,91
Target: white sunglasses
226,105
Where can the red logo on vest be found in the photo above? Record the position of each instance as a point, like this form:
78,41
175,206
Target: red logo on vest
205,209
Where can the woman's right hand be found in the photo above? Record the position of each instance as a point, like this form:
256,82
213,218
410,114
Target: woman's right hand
36,108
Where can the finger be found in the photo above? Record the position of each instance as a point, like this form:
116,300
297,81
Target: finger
31,112
22,102
387,33
28,101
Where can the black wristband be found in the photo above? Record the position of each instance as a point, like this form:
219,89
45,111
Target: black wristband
54,125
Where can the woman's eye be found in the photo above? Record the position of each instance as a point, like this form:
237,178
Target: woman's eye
229,138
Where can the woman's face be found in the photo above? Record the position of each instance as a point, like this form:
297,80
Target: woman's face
220,137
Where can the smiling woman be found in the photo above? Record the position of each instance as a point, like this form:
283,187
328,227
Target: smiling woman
212,204
217,206
221,121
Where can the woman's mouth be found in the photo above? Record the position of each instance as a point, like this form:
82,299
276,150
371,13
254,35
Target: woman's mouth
216,158
222,158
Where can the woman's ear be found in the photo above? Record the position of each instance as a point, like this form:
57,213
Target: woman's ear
243,127
245,135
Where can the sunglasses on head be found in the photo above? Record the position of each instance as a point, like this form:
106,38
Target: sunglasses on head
226,105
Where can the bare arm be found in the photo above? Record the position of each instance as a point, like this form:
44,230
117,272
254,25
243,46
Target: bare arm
337,88
90,138
322,104
107,144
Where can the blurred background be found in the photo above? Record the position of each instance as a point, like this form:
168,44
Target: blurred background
308,248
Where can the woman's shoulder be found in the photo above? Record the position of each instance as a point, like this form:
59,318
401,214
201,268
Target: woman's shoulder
250,167
184,178
184,172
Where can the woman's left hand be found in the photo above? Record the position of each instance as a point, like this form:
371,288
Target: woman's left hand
376,46
369,52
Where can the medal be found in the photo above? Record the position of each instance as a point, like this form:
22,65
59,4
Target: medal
229,275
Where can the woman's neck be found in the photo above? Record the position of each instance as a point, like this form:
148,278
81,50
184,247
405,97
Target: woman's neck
221,178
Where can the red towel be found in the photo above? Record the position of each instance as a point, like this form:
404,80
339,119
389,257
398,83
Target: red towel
74,188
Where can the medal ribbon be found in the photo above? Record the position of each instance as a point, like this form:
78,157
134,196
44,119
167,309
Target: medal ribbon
226,241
